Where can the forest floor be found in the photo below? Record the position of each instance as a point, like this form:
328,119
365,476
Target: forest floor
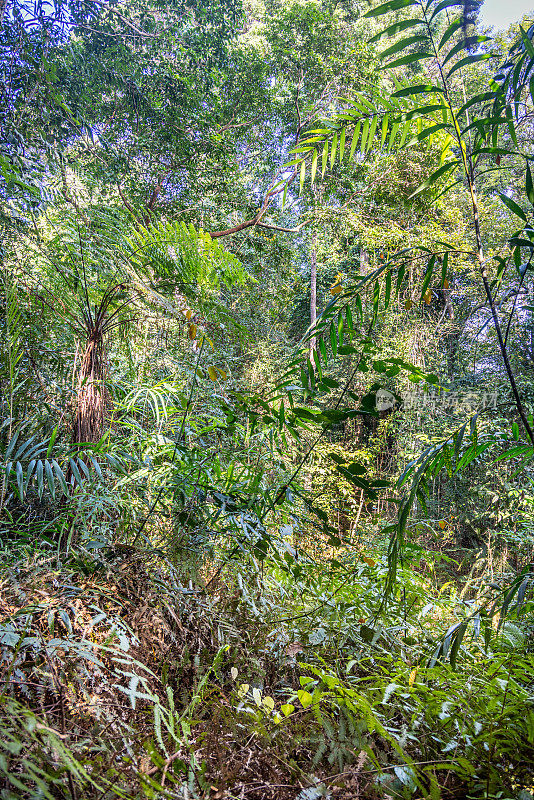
120,682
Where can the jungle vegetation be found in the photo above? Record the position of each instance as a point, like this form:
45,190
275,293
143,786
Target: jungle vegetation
266,401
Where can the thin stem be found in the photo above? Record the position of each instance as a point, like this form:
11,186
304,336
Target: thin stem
469,174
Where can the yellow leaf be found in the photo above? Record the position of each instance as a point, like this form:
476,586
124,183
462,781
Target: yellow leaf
427,297
243,689
188,314
445,284
335,289
192,331
268,702
304,697
212,372
442,524
233,673
369,561
277,719
287,709
256,694
411,680
408,304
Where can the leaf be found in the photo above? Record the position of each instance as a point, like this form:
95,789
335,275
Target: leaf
401,44
445,4
287,709
75,471
40,481
385,8
305,698
464,44
397,27
314,166
212,372
50,479
233,673
435,175
256,694
342,144
512,206
469,60
333,150
324,158
192,331
385,123
355,138
411,58
422,88
268,702
451,30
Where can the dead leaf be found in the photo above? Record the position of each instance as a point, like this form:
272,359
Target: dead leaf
294,648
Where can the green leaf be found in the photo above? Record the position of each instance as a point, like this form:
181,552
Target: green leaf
50,479
421,88
342,143
330,382
445,4
365,131
397,27
333,339
513,207
529,47
468,60
435,175
333,151
324,158
314,166
60,476
372,132
385,8
393,135
451,30
385,123
305,698
401,44
464,44
75,471
20,480
387,295
355,138
40,481
428,276
411,58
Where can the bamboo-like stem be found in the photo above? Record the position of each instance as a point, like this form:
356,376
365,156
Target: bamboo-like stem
479,252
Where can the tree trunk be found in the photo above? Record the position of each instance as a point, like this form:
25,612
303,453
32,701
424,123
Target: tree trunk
89,411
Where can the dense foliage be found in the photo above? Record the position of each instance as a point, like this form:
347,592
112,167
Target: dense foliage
266,400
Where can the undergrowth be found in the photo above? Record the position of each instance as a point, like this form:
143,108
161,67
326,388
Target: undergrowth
119,681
